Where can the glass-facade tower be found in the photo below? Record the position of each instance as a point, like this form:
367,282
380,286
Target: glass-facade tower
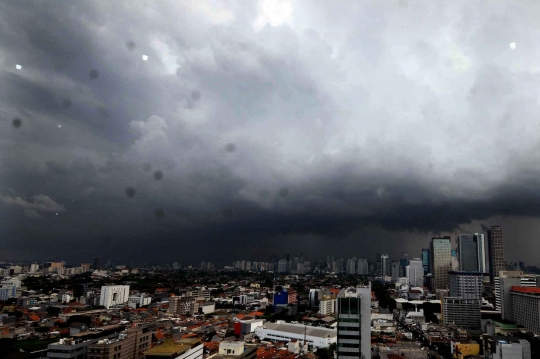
441,261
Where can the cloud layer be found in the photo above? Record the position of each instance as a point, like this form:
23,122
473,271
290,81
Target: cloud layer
249,130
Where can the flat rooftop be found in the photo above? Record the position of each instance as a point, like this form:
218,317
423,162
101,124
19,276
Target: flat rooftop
299,329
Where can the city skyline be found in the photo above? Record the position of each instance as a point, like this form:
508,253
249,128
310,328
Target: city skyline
256,130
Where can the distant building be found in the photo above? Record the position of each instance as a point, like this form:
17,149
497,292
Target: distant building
363,267
416,273
496,252
139,300
441,261
471,253
327,305
426,260
385,265
181,305
314,298
354,323
113,295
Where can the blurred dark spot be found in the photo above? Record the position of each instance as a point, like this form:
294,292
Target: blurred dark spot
159,213
147,167
264,193
107,240
196,95
284,192
94,74
228,213
103,112
66,103
130,45
17,122
158,175
130,192
230,147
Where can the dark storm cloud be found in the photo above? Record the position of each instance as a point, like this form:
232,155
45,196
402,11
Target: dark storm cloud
262,126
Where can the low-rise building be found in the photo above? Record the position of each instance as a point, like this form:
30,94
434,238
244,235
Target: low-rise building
316,336
188,348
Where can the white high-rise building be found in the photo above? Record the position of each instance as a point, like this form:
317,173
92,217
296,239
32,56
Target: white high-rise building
112,295
354,323
363,267
416,273
351,266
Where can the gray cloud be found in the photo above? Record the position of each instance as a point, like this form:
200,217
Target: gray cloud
255,126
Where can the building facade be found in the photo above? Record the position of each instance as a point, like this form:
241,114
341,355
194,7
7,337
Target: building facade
426,260
471,253
441,261
112,295
465,313
354,323
416,273
465,284
526,307
496,252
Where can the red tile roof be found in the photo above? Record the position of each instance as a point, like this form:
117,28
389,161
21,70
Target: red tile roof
526,290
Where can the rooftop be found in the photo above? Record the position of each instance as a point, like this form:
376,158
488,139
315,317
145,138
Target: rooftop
299,329
526,290
170,347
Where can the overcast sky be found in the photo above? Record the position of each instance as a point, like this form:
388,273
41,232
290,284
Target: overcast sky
220,130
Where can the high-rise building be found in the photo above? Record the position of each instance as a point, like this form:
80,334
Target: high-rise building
441,261
385,265
403,263
395,271
525,304
426,260
465,285
351,266
354,323
363,266
471,253
496,252
465,313
96,264
416,273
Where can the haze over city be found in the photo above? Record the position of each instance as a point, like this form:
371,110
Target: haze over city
193,130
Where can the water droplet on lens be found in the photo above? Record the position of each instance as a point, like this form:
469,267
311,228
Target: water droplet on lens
230,147
196,95
130,192
147,167
130,45
284,192
158,175
17,122
159,213
94,74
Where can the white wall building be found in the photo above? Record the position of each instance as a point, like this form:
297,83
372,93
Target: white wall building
281,331
354,323
327,305
139,300
416,273
112,295
231,348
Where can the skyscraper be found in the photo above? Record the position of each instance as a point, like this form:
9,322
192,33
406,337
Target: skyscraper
385,265
496,252
471,253
441,261
354,324
416,273
426,260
